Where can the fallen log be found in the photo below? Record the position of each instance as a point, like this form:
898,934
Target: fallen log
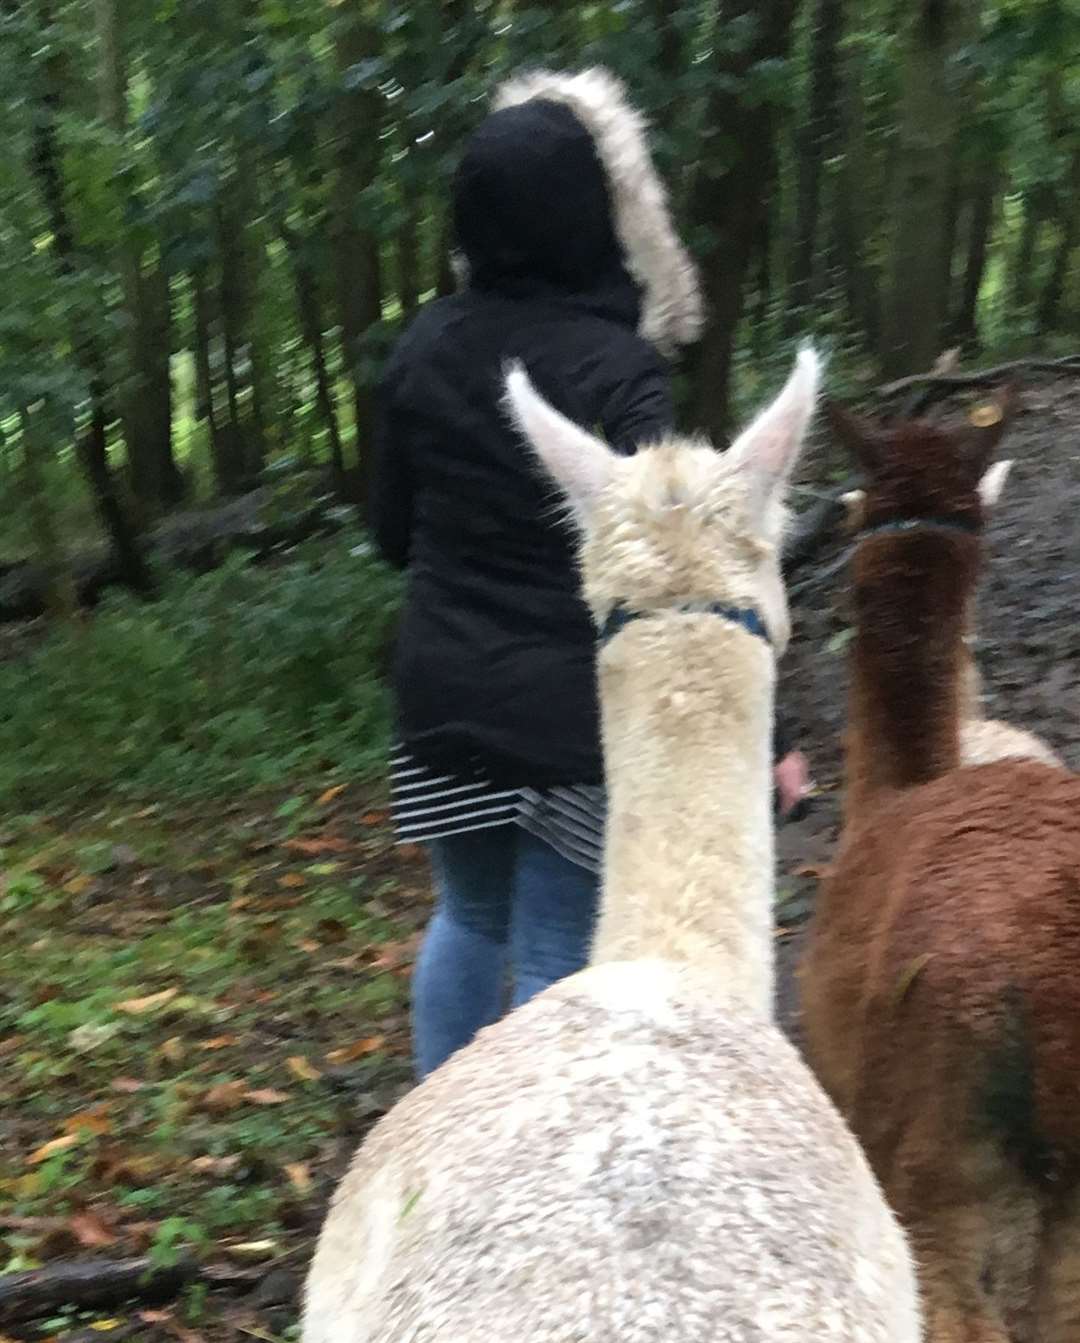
97,1284
196,541
930,387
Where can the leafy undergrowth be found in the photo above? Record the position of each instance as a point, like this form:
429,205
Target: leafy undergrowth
231,682
200,1013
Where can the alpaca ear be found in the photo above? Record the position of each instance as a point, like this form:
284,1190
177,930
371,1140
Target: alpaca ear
861,437
993,483
855,503
769,447
578,463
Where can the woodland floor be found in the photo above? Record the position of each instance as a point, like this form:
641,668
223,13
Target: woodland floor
202,1011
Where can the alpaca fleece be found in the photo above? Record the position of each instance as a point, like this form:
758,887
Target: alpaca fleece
638,1155
717,1197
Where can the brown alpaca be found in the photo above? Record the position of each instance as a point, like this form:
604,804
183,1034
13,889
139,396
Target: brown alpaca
941,987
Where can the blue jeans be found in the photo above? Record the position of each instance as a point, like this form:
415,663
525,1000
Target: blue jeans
503,897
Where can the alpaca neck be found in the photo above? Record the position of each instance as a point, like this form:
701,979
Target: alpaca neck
909,662
688,871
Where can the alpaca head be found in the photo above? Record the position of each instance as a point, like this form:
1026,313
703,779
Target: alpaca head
678,523
917,470
991,487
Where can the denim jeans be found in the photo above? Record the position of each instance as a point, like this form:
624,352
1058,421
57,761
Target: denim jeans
504,900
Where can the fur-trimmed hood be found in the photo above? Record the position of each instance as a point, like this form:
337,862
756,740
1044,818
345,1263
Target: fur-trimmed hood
610,237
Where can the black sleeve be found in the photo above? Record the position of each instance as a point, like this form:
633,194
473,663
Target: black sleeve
390,507
782,742
639,406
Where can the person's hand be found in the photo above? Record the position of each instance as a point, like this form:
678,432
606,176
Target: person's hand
792,778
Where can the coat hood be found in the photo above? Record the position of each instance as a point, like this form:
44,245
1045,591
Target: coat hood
609,240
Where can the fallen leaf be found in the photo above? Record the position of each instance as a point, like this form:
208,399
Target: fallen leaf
299,1176
309,945
267,1096
215,1165
78,884
350,1053
375,817
393,955
116,1166
94,1121
292,879
127,1086
220,1042
51,1148
136,1006
173,1049
301,1068
90,1231
818,871
329,795
252,1249
223,1097
105,1326
313,847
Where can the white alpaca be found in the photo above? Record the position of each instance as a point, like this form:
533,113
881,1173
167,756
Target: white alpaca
982,740
638,1154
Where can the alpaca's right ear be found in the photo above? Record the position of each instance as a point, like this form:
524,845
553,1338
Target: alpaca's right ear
578,463
769,446
993,482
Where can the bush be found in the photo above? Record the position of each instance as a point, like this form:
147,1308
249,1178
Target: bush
247,677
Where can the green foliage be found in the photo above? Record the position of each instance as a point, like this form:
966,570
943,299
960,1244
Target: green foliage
242,678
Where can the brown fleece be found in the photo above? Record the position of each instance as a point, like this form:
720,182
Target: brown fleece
941,987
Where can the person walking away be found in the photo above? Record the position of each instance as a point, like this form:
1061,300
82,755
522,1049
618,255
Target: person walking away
570,264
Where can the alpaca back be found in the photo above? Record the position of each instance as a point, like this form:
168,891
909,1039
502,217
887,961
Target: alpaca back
665,1170
974,919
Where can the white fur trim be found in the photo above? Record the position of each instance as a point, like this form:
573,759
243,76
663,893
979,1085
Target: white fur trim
671,309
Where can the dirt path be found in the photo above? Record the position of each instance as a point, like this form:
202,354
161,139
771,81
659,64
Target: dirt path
1029,640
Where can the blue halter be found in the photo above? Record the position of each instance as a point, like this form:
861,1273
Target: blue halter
745,616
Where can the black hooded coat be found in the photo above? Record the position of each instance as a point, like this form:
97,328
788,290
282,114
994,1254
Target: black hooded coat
494,667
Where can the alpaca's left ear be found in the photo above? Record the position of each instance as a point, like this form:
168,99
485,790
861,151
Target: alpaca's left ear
769,447
578,463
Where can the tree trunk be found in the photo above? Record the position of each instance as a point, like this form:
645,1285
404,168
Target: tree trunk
1048,317
146,409
239,429
916,308
359,281
309,308
227,463
729,194
980,225
92,441
60,599
408,253
817,141
1021,287
850,208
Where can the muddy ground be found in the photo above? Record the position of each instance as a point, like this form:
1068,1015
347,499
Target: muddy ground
265,1016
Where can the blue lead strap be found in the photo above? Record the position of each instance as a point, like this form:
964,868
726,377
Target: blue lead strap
745,616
